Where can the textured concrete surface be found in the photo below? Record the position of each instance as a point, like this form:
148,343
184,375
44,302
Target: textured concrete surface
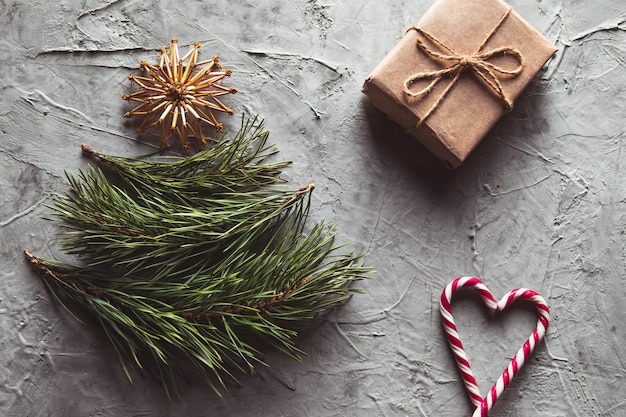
539,204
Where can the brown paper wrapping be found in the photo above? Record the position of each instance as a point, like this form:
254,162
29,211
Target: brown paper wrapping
471,108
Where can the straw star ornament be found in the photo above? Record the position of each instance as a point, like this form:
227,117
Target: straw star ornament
180,95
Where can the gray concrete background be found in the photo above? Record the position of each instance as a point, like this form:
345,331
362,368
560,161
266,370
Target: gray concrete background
539,204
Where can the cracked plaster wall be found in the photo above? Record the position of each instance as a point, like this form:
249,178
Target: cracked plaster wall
540,204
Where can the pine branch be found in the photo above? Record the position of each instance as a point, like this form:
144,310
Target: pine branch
232,166
200,259
112,227
211,319
142,335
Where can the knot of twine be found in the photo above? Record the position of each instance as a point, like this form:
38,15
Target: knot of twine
478,62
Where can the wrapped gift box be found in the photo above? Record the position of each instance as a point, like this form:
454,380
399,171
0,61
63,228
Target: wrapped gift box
456,72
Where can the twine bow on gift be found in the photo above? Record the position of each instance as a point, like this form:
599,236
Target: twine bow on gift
478,62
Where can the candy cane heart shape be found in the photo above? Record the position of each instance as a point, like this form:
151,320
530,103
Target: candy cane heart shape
483,405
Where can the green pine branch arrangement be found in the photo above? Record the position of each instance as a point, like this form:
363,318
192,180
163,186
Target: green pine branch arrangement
204,258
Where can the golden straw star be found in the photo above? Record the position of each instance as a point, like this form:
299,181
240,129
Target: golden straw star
180,94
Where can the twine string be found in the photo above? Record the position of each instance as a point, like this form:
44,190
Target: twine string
478,62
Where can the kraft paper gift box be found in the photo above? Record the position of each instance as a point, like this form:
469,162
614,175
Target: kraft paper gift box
456,72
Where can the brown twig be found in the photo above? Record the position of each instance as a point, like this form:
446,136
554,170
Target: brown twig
239,310
47,273
299,194
88,151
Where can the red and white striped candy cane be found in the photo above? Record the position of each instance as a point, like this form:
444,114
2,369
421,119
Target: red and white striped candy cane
483,405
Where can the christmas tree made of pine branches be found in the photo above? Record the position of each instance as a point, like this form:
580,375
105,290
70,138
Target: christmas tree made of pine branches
203,259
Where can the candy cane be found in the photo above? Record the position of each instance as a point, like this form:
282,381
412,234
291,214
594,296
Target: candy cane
483,405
